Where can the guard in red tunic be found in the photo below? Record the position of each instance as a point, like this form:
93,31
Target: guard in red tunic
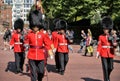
44,31
54,36
17,42
106,47
62,48
37,41
54,40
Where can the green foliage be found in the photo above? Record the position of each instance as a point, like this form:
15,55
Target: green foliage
73,10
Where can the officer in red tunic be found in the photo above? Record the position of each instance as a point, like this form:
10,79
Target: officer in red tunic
44,31
62,48
106,47
54,40
37,41
17,42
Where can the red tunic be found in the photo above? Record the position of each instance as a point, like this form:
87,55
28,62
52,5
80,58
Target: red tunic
105,48
62,44
37,41
15,42
47,36
54,38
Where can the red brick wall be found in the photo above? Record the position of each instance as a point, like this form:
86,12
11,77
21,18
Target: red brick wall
5,13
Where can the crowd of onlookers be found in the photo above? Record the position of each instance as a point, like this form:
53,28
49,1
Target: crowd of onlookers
86,43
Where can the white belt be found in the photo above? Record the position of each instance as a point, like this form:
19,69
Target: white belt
18,43
63,44
107,46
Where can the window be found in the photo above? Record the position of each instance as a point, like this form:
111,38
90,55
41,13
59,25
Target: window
6,1
11,1
27,10
31,1
27,1
18,11
25,6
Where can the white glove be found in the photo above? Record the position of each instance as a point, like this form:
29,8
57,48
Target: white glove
43,16
97,55
11,47
51,57
54,50
26,47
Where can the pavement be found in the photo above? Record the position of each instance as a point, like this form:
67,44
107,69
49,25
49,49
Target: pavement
79,68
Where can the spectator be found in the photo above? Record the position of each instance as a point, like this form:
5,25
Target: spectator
6,37
83,41
89,48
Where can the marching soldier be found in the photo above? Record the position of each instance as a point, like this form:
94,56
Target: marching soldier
16,42
106,45
62,48
54,40
37,40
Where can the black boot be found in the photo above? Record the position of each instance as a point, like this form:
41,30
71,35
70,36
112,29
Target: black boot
62,72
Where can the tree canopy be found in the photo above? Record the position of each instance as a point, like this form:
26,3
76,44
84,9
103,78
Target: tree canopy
73,10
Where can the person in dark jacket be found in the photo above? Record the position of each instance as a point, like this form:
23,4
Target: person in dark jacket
6,37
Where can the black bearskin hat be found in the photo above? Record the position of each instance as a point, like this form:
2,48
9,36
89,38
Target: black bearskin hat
46,25
61,24
35,19
19,24
107,22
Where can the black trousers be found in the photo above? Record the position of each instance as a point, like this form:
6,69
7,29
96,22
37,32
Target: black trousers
19,60
63,60
37,69
57,61
107,64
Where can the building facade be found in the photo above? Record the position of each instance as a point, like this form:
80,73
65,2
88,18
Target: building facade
9,2
20,9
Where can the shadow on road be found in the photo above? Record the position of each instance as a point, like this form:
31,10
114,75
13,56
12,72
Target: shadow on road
11,67
90,79
116,61
27,74
51,68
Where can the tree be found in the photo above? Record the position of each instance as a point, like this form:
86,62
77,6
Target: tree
73,10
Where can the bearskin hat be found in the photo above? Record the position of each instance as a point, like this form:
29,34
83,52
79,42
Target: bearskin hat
19,24
45,25
35,19
61,24
107,22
